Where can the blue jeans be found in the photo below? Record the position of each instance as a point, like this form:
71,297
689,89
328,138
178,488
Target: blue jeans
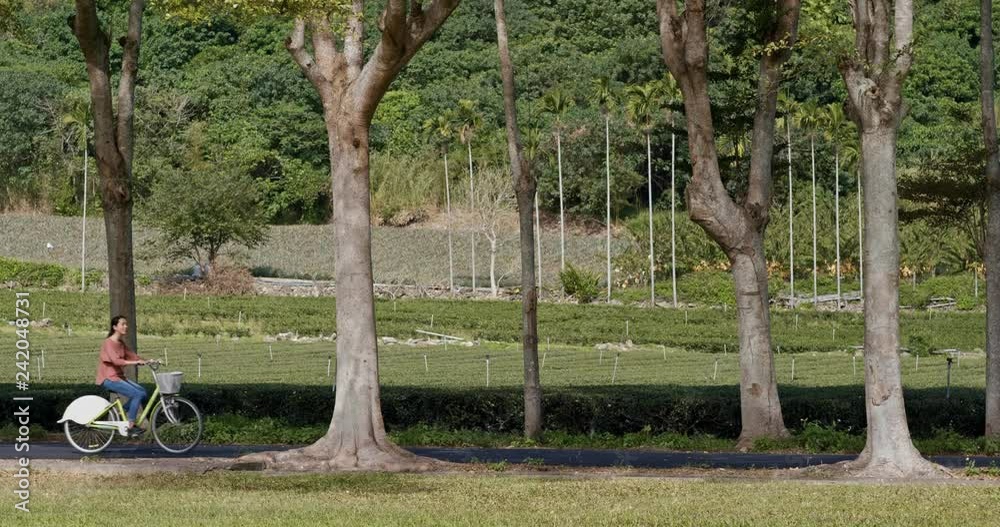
136,395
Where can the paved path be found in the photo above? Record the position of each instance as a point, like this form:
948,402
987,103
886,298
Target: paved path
547,456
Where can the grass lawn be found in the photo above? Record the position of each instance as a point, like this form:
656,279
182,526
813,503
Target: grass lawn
390,499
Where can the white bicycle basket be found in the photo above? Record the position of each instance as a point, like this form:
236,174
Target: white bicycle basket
169,382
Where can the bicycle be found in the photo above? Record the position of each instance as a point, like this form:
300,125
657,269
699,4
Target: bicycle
90,421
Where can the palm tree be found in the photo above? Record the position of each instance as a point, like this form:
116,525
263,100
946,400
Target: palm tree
642,106
441,132
604,94
76,128
850,155
789,107
557,103
671,94
810,118
837,128
469,121
532,140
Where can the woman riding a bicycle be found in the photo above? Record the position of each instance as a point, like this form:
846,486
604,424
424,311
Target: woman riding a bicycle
114,355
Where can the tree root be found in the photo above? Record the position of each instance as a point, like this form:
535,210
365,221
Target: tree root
319,458
747,438
900,466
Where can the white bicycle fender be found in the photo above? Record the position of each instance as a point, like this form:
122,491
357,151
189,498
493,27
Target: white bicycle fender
85,409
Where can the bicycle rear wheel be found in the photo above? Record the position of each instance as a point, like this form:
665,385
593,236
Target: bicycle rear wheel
90,440
177,425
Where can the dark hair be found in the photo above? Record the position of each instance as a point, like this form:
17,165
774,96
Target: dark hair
114,322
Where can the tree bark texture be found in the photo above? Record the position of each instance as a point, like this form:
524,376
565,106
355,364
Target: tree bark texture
524,190
113,147
350,90
875,104
987,98
738,228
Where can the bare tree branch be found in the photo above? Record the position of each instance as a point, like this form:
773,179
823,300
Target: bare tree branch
758,200
295,44
402,37
126,85
354,48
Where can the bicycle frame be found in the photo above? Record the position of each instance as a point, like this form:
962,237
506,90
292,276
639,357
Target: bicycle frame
114,425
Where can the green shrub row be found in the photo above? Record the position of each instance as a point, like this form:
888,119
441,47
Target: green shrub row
30,274
613,410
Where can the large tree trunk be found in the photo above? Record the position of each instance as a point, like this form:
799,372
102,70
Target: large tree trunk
738,228
350,90
888,448
760,409
113,145
356,438
993,226
875,105
524,189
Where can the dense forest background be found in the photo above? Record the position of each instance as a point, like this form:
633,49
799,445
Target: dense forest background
225,98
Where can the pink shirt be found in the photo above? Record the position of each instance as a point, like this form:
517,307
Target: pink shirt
113,356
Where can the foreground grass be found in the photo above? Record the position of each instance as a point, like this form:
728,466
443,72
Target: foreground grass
387,499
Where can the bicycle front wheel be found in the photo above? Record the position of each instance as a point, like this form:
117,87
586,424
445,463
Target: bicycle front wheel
176,425
88,439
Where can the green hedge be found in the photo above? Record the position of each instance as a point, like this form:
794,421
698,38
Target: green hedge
31,274
581,410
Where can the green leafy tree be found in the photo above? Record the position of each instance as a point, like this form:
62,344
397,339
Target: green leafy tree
643,107
810,119
557,103
469,122
605,95
440,131
200,212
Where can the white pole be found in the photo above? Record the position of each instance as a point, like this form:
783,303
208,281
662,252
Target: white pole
43,358
793,368
83,244
43,309
270,352
538,243
199,365
836,208
815,264
715,372
426,368
791,234
329,363
673,226
487,371
652,261
607,219
472,207
854,366
544,354
614,373
447,197
562,221
166,361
